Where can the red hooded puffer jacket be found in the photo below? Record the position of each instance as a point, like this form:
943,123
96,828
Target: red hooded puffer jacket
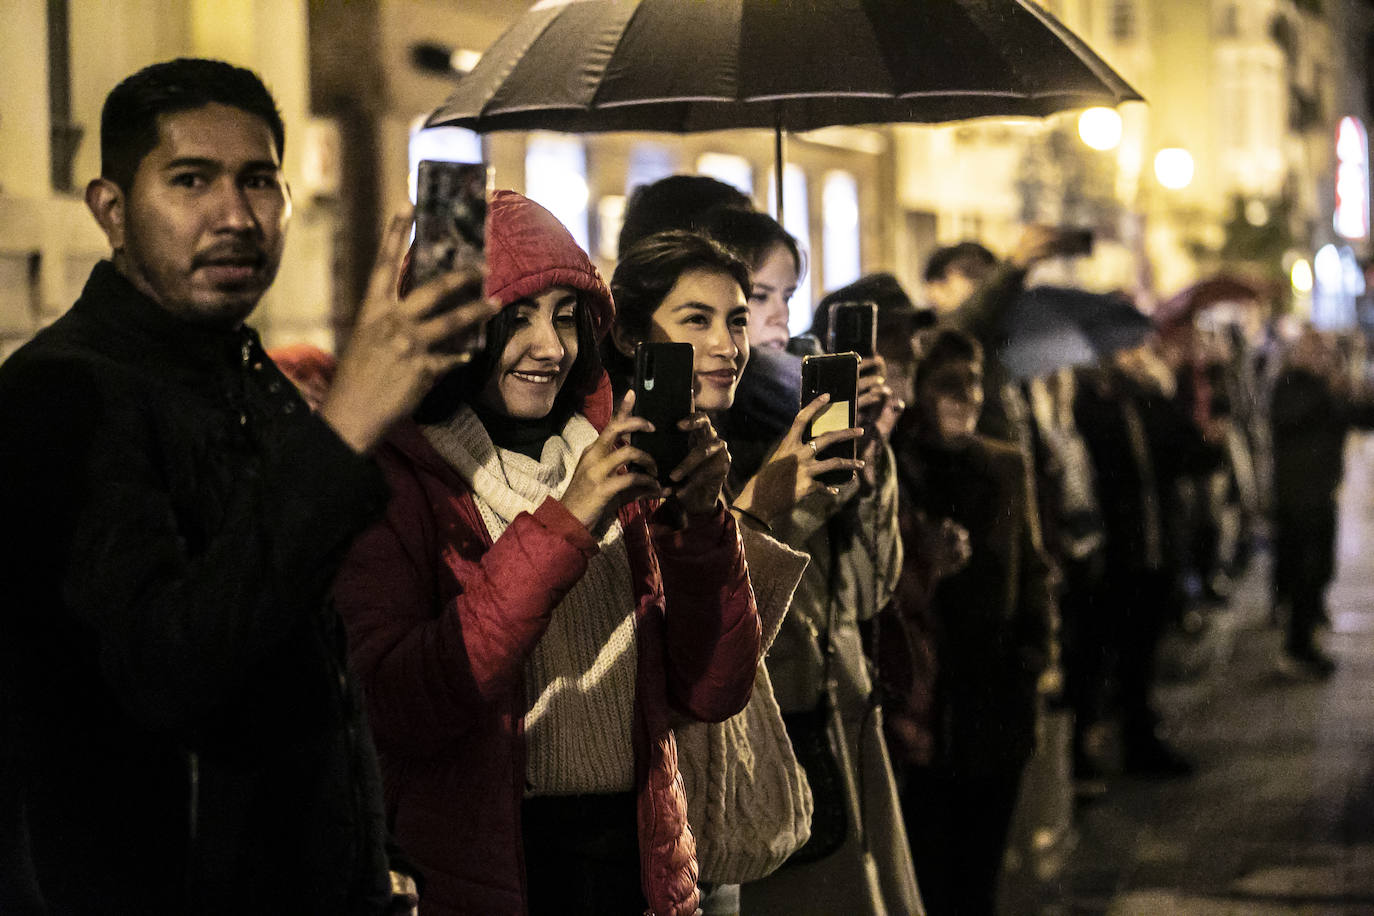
441,621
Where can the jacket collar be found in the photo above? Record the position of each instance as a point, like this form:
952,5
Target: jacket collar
124,313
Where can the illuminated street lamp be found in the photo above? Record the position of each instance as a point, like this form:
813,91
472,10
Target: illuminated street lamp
1301,276
1174,168
1100,128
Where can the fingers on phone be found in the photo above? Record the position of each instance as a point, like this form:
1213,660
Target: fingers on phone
807,414
696,458
825,440
634,460
837,464
626,405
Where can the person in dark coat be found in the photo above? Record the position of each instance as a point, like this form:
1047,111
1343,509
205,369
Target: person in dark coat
1311,413
987,628
188,737
1140,443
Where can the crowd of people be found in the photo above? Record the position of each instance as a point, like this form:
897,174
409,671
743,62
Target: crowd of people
425,627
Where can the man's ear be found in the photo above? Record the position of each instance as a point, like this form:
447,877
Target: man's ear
105,199
622,340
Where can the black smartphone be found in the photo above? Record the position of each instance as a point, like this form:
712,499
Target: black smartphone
450,229
853,328
663,396
1076,242
838,376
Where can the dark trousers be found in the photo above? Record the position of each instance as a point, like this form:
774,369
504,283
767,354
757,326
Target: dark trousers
957,826
582,855
1086,617
1141,602
1304,562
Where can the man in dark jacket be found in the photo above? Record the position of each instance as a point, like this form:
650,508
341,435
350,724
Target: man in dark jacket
1311,413
187,736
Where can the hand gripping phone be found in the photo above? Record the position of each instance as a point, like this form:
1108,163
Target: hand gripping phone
663,396
450,229
838,376
853,328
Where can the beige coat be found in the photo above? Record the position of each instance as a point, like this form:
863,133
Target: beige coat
859,572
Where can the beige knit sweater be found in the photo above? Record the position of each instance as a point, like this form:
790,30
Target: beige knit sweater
580,678
747,798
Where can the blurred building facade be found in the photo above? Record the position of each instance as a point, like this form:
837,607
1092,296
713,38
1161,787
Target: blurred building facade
1254,92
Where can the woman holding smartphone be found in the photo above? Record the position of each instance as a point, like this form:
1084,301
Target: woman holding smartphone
852,537
528,612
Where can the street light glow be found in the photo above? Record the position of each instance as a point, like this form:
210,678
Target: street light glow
1174,168
1301,276
1100,128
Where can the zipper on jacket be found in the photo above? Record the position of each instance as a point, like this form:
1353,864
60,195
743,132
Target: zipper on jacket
193,806
245,356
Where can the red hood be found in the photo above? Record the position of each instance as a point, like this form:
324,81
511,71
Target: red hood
529,250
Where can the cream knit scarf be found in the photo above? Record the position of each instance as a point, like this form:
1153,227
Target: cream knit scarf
580,679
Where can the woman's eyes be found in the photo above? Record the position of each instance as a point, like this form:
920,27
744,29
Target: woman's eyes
739,320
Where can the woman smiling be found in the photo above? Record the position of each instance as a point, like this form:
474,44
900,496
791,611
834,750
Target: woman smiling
529,611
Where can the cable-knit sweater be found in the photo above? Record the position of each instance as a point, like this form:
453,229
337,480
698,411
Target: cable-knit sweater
580,679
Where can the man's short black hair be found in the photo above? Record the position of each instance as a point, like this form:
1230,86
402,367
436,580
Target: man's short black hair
648,271
969,258
129,127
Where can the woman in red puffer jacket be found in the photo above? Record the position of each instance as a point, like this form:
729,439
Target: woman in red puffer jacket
531,613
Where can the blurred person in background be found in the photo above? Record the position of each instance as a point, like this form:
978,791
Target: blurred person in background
1074,537
535,611
1313,408
980,630
971,290
1141,442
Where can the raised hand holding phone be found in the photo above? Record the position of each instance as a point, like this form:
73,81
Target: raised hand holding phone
836,375
611,472
794,469
451,231
697,482
399,346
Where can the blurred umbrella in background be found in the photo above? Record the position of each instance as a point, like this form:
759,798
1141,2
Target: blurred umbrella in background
1183,306
1052,326
587,66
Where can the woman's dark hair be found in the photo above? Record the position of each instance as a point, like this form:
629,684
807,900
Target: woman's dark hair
675,202
129,119
938,346
462,385
647,273
751,235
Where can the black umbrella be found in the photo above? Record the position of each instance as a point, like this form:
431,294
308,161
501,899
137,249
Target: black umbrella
587,66
1051,326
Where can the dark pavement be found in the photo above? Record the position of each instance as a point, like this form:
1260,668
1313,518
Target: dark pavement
1278,819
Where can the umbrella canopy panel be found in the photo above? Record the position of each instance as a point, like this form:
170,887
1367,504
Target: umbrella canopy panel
1052,326
692,65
